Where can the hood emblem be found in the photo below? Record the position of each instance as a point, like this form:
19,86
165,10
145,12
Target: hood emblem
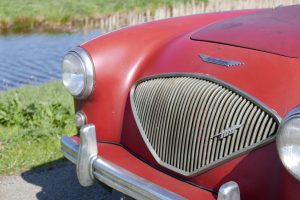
227,132
220,61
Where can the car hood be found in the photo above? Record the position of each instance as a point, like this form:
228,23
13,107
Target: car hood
272,30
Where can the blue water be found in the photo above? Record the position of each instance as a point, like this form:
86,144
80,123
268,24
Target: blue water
35,58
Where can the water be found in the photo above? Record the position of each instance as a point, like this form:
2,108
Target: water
35,58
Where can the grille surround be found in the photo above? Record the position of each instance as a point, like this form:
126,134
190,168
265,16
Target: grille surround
268,111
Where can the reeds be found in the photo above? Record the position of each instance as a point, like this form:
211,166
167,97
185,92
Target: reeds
108,22
117,20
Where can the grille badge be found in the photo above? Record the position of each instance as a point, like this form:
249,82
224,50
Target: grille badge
219,61
227,132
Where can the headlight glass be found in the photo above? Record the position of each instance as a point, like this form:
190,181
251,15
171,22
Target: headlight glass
73,74
78,73
288,143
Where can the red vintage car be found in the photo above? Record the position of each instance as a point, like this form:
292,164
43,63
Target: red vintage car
195,107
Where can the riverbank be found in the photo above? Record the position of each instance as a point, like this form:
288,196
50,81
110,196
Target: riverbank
70,16
32,120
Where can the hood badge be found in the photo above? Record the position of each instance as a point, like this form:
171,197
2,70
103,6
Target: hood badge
220,61
227,132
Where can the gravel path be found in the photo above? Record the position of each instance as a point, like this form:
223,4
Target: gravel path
59,182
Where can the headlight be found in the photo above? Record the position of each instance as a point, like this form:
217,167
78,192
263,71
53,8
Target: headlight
288,142
78,73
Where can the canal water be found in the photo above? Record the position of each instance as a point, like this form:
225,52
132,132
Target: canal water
35,58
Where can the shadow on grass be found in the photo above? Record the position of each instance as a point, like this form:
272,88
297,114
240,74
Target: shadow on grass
58,180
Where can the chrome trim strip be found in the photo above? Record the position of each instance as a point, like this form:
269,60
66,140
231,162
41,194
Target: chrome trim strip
128,183
247,96
69,148
70,157
118,177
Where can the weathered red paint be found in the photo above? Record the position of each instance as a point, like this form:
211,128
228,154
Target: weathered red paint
266,77
273,30
121,57
124,56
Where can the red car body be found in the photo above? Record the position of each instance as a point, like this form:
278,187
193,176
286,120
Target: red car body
265,41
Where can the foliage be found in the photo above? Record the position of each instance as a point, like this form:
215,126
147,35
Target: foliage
59,11
25,16
32,119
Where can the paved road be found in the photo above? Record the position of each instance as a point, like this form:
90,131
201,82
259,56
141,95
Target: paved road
57,182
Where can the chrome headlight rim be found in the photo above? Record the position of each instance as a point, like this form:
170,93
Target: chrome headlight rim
292,115
88,70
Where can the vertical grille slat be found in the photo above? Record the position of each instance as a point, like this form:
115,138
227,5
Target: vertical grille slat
182,136
149,101
238,120
217,124
195,115
178,126
221,126
184,128
251,128
230,123
191,122
226,121
218,98
208,110
166,123
172,122
257,127
244,120
247,126
161,111
199,124
156,106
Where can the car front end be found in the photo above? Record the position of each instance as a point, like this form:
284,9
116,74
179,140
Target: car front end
189,108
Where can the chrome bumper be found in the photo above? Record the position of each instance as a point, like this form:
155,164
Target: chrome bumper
90,166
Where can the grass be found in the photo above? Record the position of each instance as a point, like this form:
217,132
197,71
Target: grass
25,15
32,120
60,11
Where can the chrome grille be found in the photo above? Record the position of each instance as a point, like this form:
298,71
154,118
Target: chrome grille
191,123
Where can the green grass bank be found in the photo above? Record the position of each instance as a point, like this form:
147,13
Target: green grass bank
52,15
25,16
32,120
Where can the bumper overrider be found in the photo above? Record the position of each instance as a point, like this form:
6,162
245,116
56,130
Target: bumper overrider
90,166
